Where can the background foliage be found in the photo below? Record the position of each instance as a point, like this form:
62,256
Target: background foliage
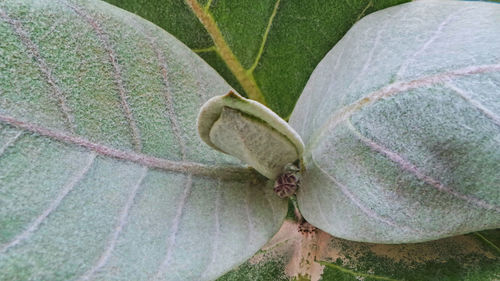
276,43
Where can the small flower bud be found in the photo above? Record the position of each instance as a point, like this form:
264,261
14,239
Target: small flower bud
286,184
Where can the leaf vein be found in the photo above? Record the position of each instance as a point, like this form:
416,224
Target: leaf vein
264,38
103,260
171,114
487,241
414,170
10,142
437,32
394,89
117,73
247,81
175,227
33,49
222,172
205,50
490,114
320,209
207,6
363,12
249,217
217,231
358,203
52,207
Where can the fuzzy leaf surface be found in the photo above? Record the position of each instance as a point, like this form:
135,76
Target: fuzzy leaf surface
265,49
401,122
249,131
102,173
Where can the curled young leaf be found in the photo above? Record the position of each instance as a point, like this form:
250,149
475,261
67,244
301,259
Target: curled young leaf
251,132
401,122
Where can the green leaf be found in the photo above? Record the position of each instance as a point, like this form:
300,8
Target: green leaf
319,256
102,173
401,122
265,49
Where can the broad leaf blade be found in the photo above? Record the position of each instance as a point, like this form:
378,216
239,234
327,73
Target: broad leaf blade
102,173
400,122
319,256
265,49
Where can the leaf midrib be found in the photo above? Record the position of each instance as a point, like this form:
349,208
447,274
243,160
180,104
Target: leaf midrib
244,76
228,172
411,168
224,172
394,89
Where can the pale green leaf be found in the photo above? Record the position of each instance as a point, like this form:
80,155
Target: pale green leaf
265,49
102,173
401,122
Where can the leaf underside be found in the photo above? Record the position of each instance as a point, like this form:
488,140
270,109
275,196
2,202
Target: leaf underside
102,174
267,49
401,122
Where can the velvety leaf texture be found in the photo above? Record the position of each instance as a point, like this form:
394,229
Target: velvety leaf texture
251,132
102,173
401,122
265,49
